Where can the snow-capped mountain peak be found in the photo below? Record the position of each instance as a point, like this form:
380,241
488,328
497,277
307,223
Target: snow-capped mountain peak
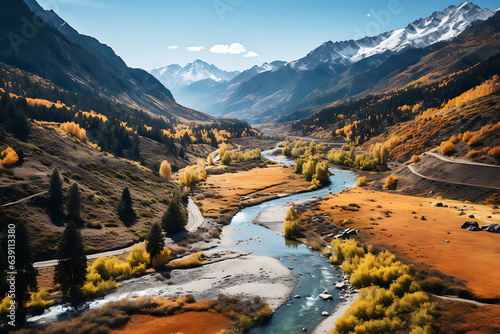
174,76
440,26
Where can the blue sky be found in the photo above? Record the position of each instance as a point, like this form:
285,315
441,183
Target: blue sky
234,34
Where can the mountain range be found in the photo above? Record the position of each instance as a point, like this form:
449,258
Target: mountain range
331,72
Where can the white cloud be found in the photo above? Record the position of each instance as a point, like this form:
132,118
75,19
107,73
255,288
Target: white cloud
368,15
234,48
173,47
195,48
250,54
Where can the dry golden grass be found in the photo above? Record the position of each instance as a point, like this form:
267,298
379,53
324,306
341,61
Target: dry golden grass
227,192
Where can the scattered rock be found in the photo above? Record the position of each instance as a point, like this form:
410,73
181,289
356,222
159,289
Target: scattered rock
438,204
447,241
423,218
470,226
354,205
471,216
346,234
493,228
340,285
325,296
325,314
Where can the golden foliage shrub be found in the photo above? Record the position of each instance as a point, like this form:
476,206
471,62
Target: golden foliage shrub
102,273
361,181
193,174
194,260
390,301
93,288
291,228
4,305
75,130
223,148
447,148
160,260
454,139
495,151
391,182
474,140
165,170
138,255
211,159
8,157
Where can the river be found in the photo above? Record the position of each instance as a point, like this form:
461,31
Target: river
316,274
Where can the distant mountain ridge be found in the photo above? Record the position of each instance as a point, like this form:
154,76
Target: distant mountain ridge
175,76
333,71
195,82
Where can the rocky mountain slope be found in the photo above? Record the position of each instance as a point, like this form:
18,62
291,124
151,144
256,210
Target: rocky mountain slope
42,43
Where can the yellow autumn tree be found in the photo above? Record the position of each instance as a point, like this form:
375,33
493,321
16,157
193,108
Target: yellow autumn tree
291,228
8,157
75,130
166,170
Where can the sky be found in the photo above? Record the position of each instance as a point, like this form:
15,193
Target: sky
234,34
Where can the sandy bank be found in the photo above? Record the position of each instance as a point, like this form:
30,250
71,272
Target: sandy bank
274,218
230,272
329,323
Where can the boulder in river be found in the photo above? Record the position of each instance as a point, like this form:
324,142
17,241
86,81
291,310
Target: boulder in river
493,228
324,313
325,296
470,226
340,285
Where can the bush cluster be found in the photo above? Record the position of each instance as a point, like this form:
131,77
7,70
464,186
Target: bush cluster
193,174
389,301
347,156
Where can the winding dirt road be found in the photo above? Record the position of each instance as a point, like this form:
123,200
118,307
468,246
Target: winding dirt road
195,220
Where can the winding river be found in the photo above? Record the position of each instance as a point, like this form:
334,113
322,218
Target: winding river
315,273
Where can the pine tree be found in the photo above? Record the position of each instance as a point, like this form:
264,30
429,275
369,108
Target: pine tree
26,273
173,220
55,192
74,203
71,269
125,210
155,241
